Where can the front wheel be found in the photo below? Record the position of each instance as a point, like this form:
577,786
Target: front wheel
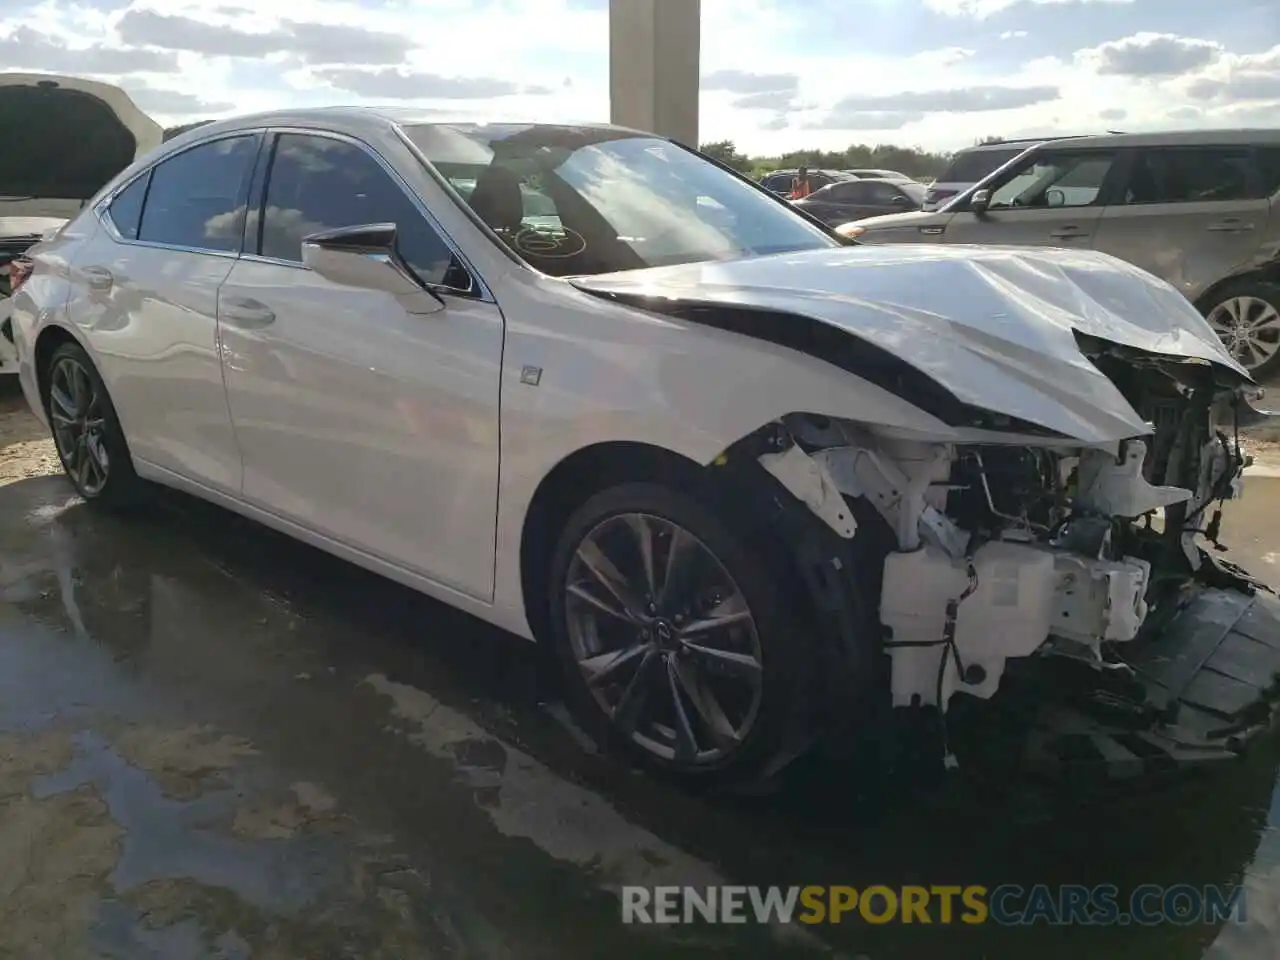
86,431
673,637
1246,316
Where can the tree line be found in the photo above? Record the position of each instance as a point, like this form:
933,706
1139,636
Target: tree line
913,161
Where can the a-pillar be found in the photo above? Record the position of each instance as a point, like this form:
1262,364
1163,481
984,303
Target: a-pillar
653,66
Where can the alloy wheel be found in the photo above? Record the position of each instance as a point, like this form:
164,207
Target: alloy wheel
1249,328
664,639
76,412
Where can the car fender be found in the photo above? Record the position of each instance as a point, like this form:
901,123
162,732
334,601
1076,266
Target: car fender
579,371
49,285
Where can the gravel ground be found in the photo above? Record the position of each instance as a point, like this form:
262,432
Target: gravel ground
25,447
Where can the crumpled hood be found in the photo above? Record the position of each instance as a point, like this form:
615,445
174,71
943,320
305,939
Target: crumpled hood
995,326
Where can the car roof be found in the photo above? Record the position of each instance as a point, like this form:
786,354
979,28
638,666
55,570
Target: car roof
1177,138
355,118
1014,144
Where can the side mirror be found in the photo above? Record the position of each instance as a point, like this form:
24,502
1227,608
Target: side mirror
980,201
1055,198
366,256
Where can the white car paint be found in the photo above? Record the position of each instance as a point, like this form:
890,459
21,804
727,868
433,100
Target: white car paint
994,325
413,442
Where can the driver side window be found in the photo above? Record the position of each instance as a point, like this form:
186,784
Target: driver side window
1055,180
318,183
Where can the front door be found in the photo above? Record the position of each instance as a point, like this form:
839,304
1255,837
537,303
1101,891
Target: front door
1052,199
364,423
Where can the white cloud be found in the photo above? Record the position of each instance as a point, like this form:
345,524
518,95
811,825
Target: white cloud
1150,55
943,57
981,9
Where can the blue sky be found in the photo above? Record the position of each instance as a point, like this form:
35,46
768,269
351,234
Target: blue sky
777,74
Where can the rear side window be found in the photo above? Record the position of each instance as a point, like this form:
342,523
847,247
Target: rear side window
970,166
1269,162
317,183
1199,175
836,192
126,209
197,198
882,193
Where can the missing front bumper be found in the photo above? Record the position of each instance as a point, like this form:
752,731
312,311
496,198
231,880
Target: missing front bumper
1208,685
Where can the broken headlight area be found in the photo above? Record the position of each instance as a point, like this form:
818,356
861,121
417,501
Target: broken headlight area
1010,548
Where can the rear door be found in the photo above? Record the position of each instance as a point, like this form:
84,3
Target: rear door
837,203
1053,198
145,292
1190,215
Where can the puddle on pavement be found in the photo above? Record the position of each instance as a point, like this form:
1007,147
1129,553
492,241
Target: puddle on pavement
218,743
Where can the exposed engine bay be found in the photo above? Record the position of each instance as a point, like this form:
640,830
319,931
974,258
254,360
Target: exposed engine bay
1012,546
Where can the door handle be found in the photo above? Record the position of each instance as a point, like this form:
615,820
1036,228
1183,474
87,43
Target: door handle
245,313
1068,233
98,278
1230,225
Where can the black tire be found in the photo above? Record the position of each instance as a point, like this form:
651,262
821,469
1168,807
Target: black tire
1258,290
122,487
780,726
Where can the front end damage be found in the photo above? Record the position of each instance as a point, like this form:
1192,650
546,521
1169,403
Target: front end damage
1085,578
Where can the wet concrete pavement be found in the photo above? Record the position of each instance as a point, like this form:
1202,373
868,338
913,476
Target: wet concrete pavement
215,742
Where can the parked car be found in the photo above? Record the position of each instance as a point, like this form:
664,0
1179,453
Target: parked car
780,181
970,165
46,171
741,478
869,174
1199,209
844,202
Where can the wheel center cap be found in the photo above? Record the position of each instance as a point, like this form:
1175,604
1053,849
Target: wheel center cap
665,634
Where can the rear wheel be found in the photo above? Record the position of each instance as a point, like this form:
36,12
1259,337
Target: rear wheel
1246,315
86,430
673,639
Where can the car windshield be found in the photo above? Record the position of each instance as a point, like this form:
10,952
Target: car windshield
575,201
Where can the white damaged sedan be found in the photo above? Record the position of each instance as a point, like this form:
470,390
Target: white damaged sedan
743,480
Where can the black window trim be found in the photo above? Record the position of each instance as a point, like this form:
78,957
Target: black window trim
261,180
102,208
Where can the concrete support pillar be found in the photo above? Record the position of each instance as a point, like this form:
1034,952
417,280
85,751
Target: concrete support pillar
653,66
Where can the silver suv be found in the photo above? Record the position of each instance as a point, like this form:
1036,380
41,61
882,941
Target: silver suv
1198,209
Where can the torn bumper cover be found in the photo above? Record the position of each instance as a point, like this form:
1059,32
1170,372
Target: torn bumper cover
1201,690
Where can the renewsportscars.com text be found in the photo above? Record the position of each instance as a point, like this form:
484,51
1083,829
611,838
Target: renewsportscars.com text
1006,905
